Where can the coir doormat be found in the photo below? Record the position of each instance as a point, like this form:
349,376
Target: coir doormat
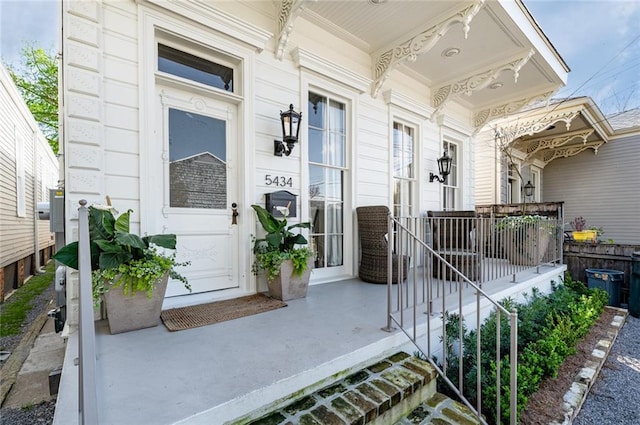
178,319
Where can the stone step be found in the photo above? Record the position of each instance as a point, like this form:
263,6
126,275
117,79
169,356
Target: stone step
400,389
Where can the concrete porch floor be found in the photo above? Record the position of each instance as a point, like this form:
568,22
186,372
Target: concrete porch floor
218,373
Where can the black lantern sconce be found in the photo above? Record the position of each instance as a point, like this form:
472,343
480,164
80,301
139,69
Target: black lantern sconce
444,168
528,189
290,131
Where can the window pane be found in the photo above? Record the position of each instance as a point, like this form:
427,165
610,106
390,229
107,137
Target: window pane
334,251
316,110
185,65
334,218
316,209
197,161
334,185
316,182
315,145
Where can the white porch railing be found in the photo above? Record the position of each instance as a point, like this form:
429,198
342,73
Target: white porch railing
88,401
445,255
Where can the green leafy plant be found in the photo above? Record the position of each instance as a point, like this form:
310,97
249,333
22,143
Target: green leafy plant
123,259
549,327
517,222
279,245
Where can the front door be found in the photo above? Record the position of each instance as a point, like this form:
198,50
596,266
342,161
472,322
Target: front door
199,188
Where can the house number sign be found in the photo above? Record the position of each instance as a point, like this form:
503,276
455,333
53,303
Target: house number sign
279,181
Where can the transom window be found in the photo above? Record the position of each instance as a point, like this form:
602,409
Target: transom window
182,64
450,187
403,169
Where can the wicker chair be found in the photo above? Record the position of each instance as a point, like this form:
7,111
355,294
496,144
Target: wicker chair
373,227
453,238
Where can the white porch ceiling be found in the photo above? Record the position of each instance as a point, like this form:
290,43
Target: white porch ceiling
424,30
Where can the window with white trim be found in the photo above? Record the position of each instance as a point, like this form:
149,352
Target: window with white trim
404,169
327,149
450,187
535,181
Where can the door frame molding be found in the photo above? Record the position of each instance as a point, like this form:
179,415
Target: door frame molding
151,23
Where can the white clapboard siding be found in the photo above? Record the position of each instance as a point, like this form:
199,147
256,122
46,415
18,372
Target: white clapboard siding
18,128
602,188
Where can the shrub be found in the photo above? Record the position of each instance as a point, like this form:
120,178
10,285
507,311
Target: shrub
548,329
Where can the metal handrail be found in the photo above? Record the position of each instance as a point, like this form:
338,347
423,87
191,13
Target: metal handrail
405,242
88,400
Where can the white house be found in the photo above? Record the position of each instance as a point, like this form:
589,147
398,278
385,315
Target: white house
28,169
384,87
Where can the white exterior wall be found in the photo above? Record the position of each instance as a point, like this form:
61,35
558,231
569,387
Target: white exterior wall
27,156
602,188
108,102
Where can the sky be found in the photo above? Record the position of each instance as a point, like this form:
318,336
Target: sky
598,39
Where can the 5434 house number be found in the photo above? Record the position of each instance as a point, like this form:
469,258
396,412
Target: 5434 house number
280,181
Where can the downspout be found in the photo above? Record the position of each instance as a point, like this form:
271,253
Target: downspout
36,234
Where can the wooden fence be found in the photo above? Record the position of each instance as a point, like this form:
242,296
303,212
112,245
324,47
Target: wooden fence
579,256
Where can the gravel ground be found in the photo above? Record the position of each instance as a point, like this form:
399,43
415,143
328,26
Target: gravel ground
613,399
39,414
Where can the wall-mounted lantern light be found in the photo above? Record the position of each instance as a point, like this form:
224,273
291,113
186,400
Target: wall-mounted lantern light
290,131
444,168
528,189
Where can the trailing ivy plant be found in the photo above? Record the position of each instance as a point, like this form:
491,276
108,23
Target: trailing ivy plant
279,244
123,259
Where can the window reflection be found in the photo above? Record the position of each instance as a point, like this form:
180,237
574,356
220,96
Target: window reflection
186,65
197,161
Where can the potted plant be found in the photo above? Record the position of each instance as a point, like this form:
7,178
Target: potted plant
581,233
526,238
287,266
128,272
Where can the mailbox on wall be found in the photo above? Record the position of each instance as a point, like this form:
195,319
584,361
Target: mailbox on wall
281,198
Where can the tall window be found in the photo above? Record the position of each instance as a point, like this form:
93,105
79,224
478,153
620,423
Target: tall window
327,166
513,185
403,169
450,187
535,181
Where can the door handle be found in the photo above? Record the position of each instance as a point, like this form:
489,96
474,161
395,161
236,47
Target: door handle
234,214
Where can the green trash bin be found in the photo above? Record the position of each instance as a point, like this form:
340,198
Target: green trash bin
609,280
634,285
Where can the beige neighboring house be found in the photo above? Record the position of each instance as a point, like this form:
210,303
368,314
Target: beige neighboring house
569,152
603,188
28,169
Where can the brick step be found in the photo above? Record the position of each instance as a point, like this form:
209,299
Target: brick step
400,389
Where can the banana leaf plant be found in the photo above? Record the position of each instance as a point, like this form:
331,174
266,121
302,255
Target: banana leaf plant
279,244
121,258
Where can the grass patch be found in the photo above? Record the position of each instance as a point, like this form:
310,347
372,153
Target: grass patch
13,311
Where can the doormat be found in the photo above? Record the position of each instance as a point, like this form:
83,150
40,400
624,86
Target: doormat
178,319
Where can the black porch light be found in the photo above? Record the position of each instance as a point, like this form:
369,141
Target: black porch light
444,168
290,130
528,189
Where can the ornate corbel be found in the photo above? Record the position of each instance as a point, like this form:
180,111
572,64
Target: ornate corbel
421,43
536,145
500,111
289,12
570,151
477,82
537,125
